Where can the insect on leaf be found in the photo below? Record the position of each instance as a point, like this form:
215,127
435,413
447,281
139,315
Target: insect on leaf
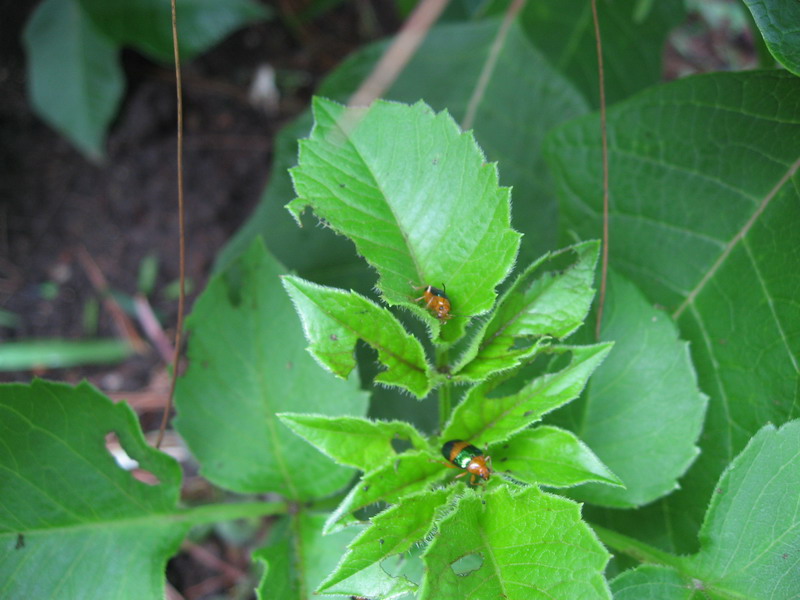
334,320
425,209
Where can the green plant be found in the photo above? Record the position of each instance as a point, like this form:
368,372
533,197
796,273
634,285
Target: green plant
702,295
76,82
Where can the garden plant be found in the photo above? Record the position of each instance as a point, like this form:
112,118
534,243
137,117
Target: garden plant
428,271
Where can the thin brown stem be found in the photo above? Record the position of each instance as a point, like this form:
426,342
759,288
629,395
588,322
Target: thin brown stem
182,234
398,54
601,299
490,63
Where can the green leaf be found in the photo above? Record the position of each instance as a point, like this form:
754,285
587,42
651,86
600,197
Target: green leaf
55,354
422,210
524,545
393,531
75,79
550,456
777,21
147,24
456,54
751,534
353,441
704,205
334,320
298,556
71,519
647,386
408,473
247,361
632,46
381,580
316,253
485,419
551,304
654,582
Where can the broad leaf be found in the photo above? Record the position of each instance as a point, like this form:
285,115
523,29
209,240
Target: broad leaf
75,79
334,320
524,545
777,20
399,477
353,441
71,519
550,456
704,206
424,209
393,531
538,304
483,418
642,412
633,43
751,534
247,361
655,582
147,24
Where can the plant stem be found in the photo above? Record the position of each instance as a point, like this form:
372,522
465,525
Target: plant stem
211,513
636,549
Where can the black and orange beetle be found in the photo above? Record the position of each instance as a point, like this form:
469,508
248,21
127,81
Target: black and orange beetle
463,455
436,301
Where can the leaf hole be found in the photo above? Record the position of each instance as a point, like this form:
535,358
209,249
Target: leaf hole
468,564
124,460
400,445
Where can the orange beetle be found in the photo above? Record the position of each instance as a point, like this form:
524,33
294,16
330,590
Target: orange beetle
437,302
463,455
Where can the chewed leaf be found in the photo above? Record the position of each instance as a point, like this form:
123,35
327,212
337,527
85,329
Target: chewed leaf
524,545
424,209
354,441
334,320
71,519
486,420
540,303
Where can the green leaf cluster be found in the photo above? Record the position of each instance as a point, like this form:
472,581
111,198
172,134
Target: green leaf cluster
683,443
75,77
452,224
